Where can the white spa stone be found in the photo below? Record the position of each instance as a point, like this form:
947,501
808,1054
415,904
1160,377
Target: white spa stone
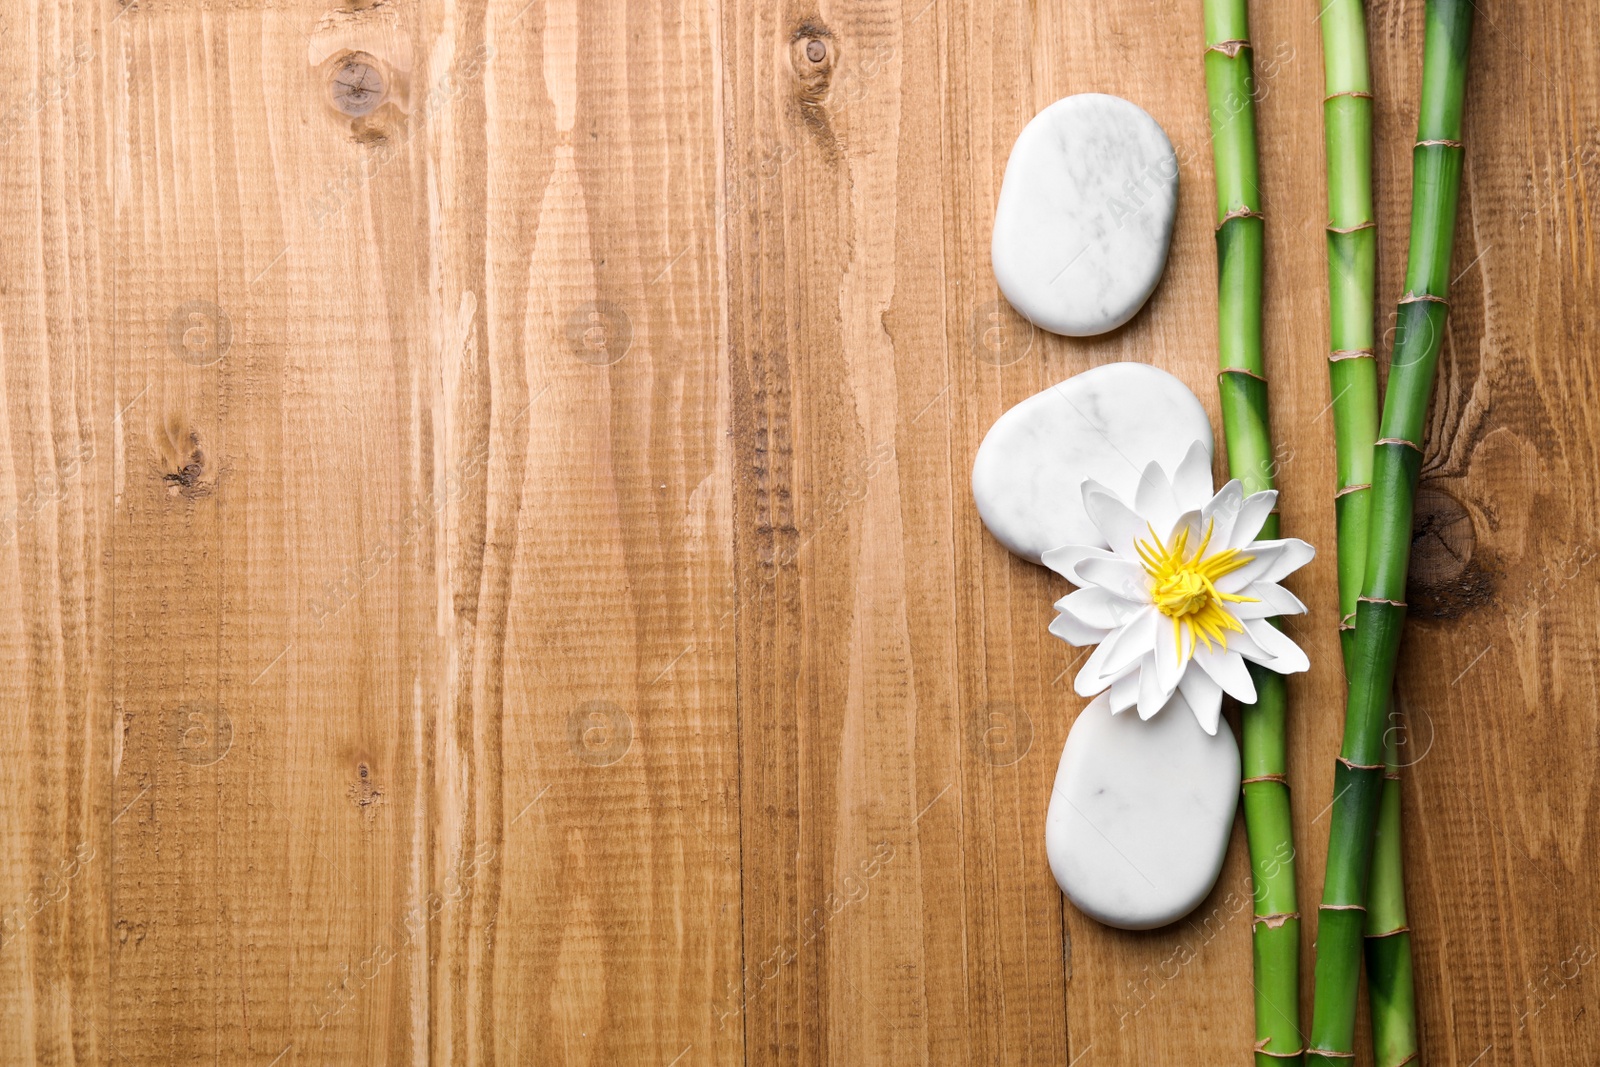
1107,424
1085,214
1141,811
1140,814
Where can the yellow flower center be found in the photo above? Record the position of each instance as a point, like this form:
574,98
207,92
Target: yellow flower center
1182,593
1183,586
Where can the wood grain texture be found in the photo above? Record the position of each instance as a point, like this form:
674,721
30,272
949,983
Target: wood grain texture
493,580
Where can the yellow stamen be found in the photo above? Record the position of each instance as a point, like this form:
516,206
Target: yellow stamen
1183,587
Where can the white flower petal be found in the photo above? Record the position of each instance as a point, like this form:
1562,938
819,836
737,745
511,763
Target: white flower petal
1226,668
1122,577
1064,560
1271,599
1245,645
1178,705
1286,656
1173,647
1092,679
1096,674
1219,514
1117,523
1191,484
1153,498
1153,696
1116,653
1296,554
1125,691
1253,514
1133,641
1263,554
1189,520
1099,607
1074,631
1204,695
1270,561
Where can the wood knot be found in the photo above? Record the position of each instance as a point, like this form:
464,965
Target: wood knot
181,461
364,792
1443,581
356,85
812,54
369,91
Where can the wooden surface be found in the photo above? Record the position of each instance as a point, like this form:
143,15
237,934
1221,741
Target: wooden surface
494,581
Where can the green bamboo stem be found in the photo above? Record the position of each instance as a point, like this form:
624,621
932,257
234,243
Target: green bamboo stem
1353,379
1391,993
1352,260
1380,609
1242,387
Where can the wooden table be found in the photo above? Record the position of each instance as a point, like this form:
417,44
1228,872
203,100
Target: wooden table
493,579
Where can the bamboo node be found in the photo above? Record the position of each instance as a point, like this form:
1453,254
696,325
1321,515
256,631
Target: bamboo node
1347,92
1438,142
1262,1051
1275,920
1391,776
1361,766
1390,933
1357,228
1352,489
1328,1054
1380,600
1397,441
1241,370
1231,49
1349,353
1424,298
1238,213
1341,907
1266,778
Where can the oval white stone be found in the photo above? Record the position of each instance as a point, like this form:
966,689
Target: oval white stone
1140,813
1085,214
1107,423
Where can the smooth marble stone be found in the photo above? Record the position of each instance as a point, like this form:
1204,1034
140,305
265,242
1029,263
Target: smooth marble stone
1141,813
1107,424
1085,214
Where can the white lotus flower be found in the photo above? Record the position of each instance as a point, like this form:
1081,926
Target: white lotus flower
1179,600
